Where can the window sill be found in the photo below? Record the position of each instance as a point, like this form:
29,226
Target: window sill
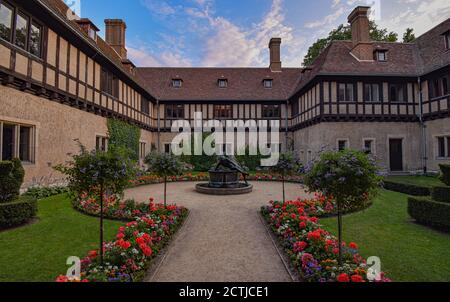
443,158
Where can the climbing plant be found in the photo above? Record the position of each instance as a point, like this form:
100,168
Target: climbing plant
123,135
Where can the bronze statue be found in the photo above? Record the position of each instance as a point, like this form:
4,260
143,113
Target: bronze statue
229,162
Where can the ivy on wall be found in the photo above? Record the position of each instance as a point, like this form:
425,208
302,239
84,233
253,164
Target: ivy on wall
123,135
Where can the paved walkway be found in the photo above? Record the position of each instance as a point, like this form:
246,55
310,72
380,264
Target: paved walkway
223,238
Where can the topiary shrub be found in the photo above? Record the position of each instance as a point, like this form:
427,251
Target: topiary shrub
445,174
17,212
441,194
429,212
409,189
11,179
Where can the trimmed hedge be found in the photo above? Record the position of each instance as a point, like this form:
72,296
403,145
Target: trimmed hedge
17,212
11,179
45,192
409,189
441,194
445,174
429,212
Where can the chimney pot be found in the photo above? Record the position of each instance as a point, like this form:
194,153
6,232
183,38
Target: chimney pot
362,46
275,55
115,36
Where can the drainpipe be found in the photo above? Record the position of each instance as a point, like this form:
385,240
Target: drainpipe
423,128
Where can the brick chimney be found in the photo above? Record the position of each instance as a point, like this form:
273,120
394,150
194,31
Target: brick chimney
362,45
275,54
115,36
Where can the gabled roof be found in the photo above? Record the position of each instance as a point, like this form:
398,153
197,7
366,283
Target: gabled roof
201,84
426,54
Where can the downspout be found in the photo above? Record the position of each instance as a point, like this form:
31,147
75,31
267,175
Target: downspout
423,129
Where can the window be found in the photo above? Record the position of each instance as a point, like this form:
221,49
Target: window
223,83
346,93
6,18
372,92
101,143
16,142
21,31
92,33
174,111
167,148
142,150
271,111
447,40
177,83
439,87
268,84
109,83
445,85
444,147
223,111
295,108
381,56
145,105
397,92
369,145
342,144
35,39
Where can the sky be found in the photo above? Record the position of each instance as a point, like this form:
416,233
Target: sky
236,33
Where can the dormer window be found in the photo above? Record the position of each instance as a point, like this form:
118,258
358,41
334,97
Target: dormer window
223,83
268,83
88,27
92,34
177,83
381,55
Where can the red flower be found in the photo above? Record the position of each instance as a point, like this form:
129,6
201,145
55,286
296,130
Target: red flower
353,246
120,236
300,246
302,225
93,254
357,279
343,278
123,244
315,235
62,279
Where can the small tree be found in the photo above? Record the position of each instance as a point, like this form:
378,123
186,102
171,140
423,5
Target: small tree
98,172
349,177
287,165
164,165
11,179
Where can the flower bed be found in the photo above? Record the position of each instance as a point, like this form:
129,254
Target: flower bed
313,252
127,258
152,179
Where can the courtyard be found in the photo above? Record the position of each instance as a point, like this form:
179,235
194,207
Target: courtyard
224,239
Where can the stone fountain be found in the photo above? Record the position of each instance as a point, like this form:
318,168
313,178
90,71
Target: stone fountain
224,179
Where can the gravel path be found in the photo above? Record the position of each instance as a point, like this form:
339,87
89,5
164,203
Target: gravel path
223,238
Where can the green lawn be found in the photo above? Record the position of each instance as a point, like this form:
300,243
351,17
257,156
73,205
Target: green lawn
408,251
38,252
423,181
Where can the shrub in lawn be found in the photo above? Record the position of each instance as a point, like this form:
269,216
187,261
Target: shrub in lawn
44,192
441,194
165,165
409,189
99,172
287,165
429,212
11,179
349,177
445,174
17,212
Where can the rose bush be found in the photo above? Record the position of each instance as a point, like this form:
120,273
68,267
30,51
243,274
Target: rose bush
127,258
312,250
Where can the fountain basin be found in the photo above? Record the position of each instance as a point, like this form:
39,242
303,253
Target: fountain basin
241,188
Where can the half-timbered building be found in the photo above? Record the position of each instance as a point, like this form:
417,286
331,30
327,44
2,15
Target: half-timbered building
62,81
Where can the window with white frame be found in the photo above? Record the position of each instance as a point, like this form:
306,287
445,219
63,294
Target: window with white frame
17,141
342,144
142,150
369,146
443,147
101,143
372,92
346,92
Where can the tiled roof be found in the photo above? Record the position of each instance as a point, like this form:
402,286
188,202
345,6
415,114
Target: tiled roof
200,84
